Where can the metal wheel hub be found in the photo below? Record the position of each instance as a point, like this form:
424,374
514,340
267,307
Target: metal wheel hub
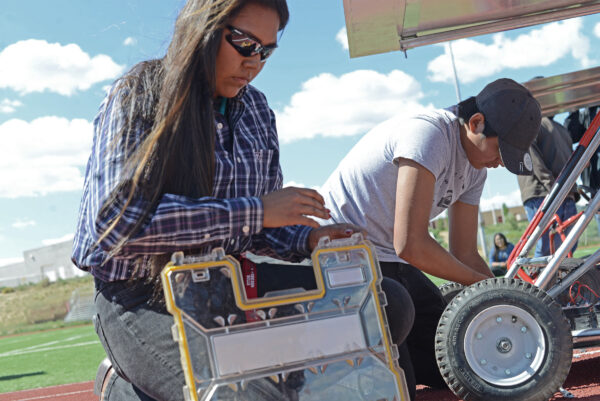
504,345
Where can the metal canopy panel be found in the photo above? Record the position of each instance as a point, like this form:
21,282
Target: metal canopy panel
378,26
567,92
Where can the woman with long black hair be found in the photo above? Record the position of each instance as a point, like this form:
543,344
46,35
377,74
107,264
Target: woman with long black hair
499,254
185,157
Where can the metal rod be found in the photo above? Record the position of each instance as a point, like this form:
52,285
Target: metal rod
497,25
456,83
549,272
588,336
558,193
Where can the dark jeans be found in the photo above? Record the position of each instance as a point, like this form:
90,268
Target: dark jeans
417,354
137,337
566,210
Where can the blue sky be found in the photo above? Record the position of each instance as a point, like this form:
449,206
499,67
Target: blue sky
58,57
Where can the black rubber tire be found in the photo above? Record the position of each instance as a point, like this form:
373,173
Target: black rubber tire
450,289
507,294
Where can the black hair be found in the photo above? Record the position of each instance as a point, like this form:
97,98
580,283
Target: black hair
467,108
172,98
496,246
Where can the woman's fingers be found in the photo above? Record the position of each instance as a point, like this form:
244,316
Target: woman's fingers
333,231
310,197
312,194
291,205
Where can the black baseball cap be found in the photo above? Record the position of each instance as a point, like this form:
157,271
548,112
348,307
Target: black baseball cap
514,115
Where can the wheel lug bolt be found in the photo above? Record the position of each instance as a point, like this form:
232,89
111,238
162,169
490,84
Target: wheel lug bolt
483,362
499,319
523,329
528,355
507,371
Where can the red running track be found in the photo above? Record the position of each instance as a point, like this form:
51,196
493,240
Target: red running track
583,381
66,392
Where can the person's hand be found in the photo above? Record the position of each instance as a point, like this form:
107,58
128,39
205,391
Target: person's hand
291,205
333,231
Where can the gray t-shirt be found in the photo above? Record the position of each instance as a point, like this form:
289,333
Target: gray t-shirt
362,189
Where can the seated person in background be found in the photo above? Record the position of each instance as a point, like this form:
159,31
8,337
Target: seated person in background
499,254
549,153
408,170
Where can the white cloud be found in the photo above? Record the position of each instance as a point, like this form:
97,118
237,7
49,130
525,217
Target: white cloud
10,261
538,48
37,66
20,224
597,30
9,106
342,38
130,41
52,241
496,201
347,105
43,156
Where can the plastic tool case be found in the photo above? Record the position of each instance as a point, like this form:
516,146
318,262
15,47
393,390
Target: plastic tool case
331,343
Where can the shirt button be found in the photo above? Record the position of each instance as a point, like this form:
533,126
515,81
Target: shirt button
232,241
220,126
246,229
239,160
206,236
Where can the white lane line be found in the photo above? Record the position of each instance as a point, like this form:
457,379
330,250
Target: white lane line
64,340
31,351
72,338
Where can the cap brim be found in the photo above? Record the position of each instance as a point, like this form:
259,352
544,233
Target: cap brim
515,160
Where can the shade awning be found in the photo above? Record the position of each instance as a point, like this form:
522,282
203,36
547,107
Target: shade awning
379,26
566,92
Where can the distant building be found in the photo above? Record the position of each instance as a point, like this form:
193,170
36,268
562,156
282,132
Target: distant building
51,262
489,215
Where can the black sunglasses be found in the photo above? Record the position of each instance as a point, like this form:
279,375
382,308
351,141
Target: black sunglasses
247,45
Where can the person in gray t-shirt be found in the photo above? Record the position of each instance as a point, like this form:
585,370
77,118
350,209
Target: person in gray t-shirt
406,171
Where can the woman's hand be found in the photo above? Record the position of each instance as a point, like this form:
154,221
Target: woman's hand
333,231
291,205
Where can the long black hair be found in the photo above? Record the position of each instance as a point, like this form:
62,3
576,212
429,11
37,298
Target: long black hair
497,249
173,98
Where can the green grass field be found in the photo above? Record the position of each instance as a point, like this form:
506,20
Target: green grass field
49,358
38,306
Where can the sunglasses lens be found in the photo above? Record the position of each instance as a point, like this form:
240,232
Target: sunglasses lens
247,46
266,52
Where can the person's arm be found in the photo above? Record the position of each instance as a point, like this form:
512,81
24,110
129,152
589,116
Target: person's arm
463,222
412,242
175,223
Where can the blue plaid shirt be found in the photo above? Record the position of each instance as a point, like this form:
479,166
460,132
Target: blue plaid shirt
246,167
